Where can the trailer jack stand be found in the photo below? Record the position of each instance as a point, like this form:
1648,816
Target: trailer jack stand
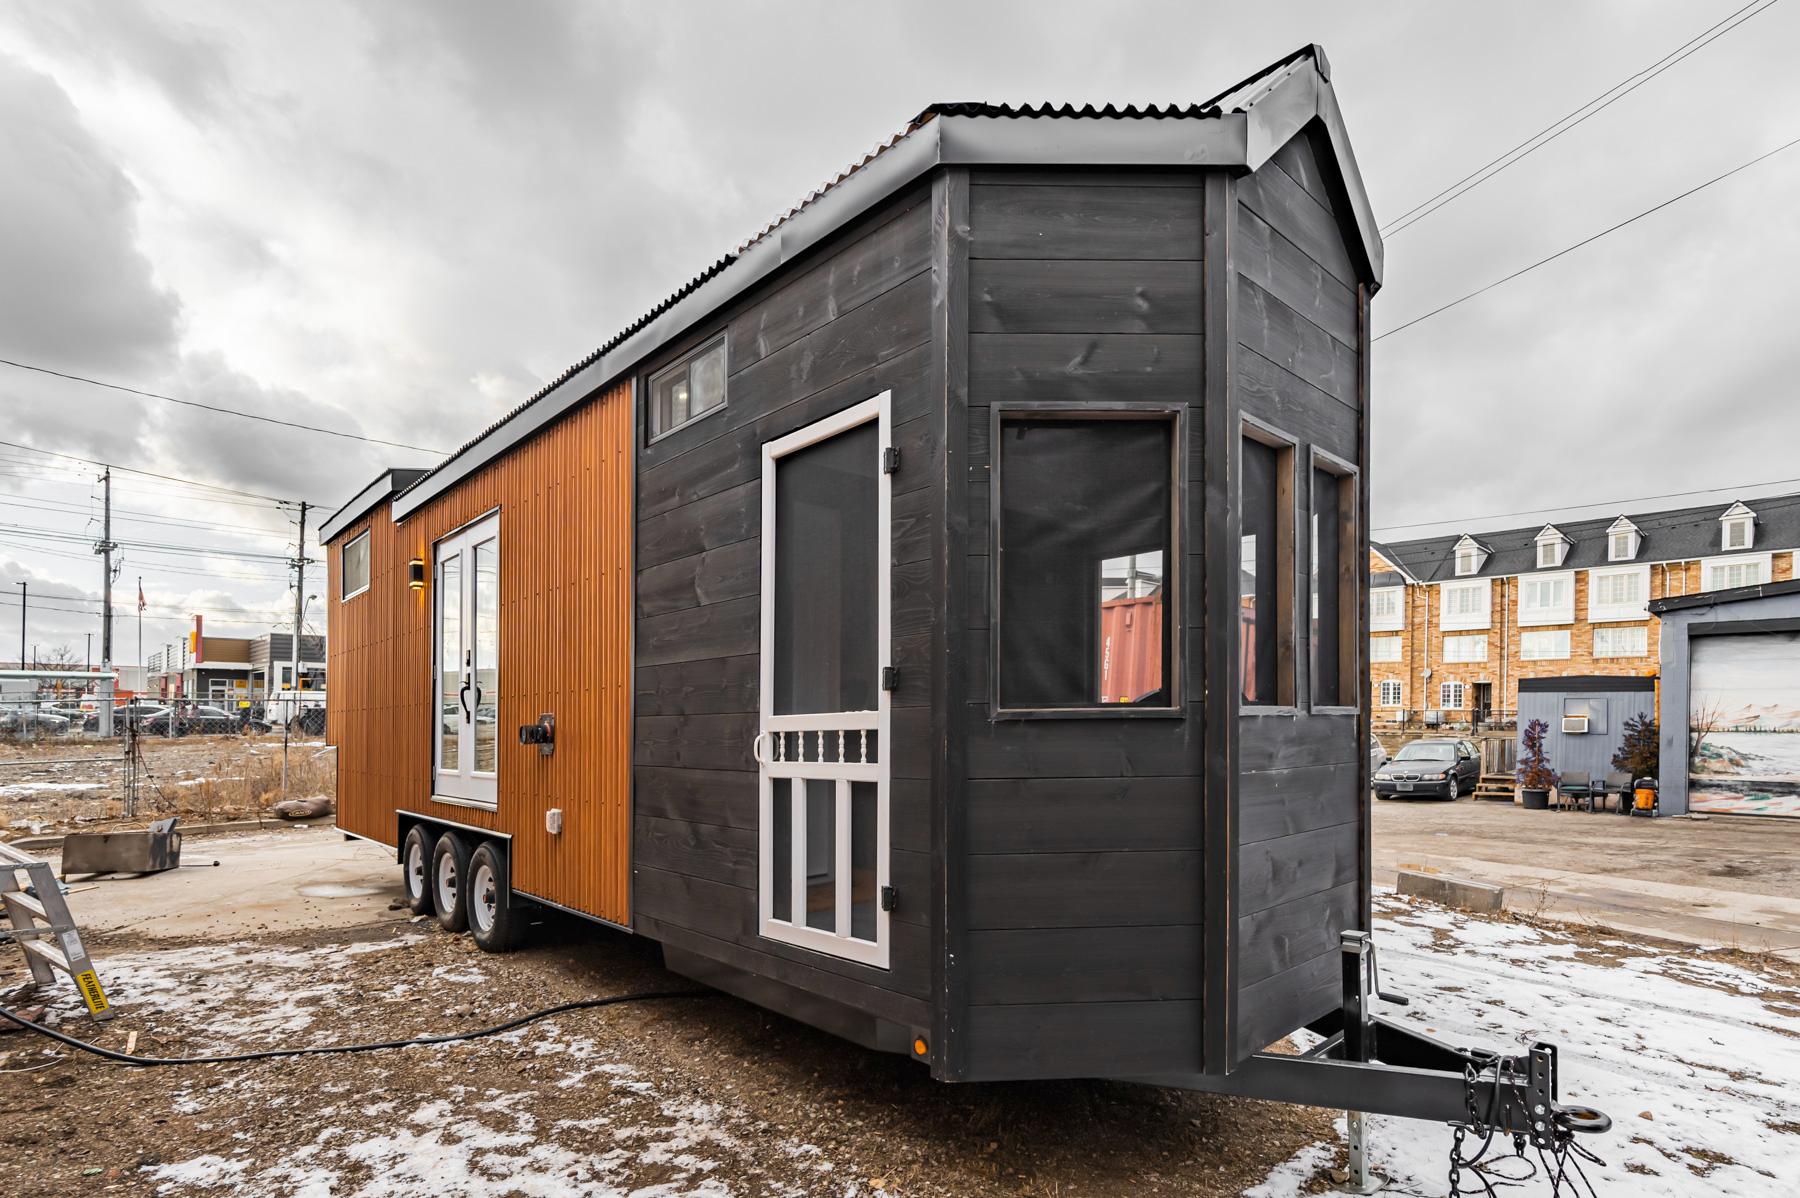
1368,1064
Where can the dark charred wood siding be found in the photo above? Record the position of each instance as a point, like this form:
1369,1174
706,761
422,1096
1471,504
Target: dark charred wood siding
844,325
1081,901
1301,808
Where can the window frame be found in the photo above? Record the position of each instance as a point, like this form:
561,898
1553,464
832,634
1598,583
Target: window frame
1543,617
1619,630
1607,613
1462,694
1727,525
1350,632
1399,649
1459,623
1381,686
1394,623
1568,647
1630,536
1444,649
1287,562
682,362
368,566
1175,416
1765,560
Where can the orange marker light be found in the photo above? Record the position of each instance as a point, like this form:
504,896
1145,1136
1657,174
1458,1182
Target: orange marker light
920,1048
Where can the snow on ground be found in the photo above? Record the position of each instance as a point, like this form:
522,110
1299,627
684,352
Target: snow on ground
1696,1058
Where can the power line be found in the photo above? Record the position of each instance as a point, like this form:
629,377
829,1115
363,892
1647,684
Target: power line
1590,240
1407,219
206,407
150,473
1735,488
135,516
153,547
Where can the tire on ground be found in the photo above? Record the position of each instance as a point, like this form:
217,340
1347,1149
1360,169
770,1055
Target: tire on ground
415,869
449,873
495,920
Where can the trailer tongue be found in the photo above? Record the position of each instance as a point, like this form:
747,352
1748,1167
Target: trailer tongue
1369,1064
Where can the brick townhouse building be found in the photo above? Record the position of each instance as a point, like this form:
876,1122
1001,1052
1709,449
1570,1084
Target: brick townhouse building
1456,621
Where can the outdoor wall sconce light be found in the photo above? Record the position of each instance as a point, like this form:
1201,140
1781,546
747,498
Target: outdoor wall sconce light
415,574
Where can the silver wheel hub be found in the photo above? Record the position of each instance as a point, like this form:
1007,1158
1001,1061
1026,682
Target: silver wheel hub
446,882
484,898
415,870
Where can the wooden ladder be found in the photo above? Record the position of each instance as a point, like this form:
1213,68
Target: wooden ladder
44,929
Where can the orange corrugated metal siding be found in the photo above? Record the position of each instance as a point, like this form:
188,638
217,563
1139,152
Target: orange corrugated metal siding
565,647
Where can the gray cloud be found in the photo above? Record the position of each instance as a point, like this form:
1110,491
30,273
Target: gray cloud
78,291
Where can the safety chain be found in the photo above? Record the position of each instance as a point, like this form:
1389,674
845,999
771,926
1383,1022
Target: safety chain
1562,1166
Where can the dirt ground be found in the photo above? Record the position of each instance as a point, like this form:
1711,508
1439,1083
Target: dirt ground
702,1096
64,784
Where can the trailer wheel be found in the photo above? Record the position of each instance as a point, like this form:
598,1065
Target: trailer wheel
415,869
449,871
494,919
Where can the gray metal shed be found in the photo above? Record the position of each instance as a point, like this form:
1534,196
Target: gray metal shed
1606,702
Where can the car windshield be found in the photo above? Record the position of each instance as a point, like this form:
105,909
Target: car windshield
1424,752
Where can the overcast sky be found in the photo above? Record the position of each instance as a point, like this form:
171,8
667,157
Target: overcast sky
401,218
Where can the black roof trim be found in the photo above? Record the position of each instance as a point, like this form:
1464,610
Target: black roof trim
1587,684
1766,590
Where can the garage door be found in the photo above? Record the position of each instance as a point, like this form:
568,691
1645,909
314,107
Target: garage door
1745,712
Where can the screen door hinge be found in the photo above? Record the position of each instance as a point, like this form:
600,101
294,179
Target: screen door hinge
890,678
890,898
890,460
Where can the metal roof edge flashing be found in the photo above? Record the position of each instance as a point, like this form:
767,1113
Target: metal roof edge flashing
1286,96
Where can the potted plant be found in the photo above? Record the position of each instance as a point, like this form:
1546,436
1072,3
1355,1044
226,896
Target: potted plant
1536,778
1639,758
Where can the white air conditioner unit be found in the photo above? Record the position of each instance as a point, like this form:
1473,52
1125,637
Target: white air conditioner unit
1575,723
1433,718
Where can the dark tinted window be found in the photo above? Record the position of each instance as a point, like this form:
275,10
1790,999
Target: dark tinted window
1259,572
1329,521
1085,545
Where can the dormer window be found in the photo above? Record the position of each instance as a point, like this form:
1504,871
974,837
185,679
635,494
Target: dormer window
1552,548
1622,541
1737,528
1469,557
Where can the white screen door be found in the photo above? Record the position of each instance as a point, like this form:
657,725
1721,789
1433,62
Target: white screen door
822,745
466,685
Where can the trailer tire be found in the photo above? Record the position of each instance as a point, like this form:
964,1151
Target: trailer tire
495,921
449,872
415,869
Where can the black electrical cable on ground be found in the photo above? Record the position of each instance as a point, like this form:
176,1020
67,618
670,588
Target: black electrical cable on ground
327,1049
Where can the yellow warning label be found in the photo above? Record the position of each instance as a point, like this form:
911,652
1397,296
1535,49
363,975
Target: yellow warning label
91,992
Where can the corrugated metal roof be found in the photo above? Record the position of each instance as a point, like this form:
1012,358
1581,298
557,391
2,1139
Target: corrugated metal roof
1233,99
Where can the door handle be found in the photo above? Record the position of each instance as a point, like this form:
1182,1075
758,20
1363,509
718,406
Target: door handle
462,696
756,748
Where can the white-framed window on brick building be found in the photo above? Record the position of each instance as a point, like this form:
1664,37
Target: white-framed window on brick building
1451,695
1390,695
1547,598
1465,605
1618,593
1739,570
1384,648
1551,644
1387,609
1624,641
1466,648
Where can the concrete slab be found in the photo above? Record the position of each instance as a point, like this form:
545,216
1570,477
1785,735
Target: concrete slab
284,880
1452,892
1725,882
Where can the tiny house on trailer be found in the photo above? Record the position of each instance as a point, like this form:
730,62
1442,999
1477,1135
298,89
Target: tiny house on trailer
942,620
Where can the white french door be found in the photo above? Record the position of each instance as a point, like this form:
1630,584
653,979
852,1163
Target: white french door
466,681
822,742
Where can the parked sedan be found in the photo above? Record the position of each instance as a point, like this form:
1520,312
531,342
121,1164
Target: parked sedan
124,713
1439,768
1377,756
24,722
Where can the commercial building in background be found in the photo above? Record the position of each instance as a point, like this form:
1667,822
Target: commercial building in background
229,669
1456,621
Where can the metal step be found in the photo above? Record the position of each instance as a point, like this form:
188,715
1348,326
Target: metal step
50,954
17,899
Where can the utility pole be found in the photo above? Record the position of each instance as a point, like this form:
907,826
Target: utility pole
287,725
106,548
90,652
299,594
23,592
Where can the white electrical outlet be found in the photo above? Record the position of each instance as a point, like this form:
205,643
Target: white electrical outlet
553,821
